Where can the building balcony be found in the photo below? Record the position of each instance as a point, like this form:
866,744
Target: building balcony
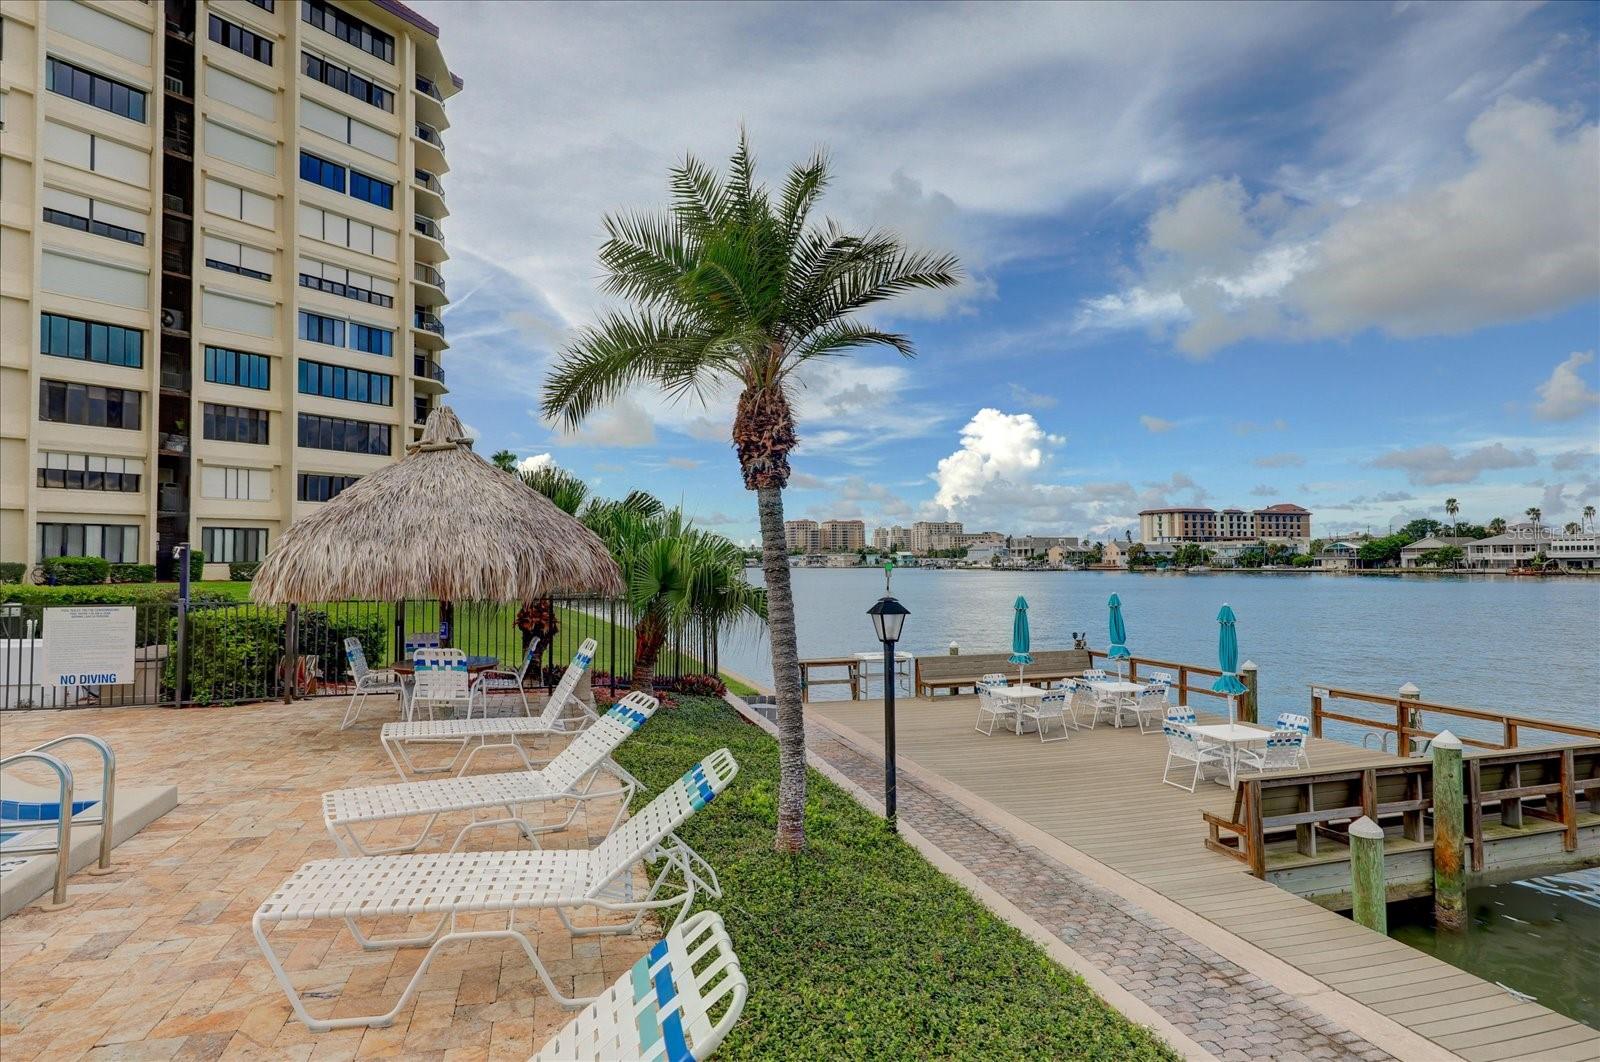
428,278
429,242
430,192
427,374
430,101
428,330
430,147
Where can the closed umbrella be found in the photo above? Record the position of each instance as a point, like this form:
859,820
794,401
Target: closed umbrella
1228,660
1119,633
1021,641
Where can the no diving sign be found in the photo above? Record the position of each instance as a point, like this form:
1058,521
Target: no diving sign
88,645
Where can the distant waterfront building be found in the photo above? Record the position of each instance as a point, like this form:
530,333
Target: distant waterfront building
987,554
1029,546
887,538
222,233
1339,556
842,536
1521,543
929,535
981,538
802,536
1411,556
1283,522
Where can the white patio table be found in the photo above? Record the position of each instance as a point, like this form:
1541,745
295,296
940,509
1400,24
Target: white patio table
1112,690
1232,737
1020,695
872,663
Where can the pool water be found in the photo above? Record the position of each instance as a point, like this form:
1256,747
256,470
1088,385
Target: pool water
1540,937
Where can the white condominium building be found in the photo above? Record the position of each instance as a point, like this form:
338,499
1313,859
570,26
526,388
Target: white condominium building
220,296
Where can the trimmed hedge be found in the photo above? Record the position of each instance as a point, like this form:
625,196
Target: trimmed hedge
75,571
105,594
133,573
197,564
243,571
234,651
12,571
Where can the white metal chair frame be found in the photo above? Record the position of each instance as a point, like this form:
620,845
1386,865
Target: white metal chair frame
367,681
440,680
1291,721
992,707
1150,708
1182,747
1083,699
1284,751
571,776
1052,705
661,1009
506,680
475,734
452,884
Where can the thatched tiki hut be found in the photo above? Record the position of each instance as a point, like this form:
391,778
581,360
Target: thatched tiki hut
440,524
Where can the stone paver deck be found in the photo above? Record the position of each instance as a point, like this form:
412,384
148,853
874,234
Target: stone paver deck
157,961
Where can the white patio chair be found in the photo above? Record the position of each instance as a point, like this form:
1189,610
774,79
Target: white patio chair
1084,702
367,681
991,708
1150,708
506,680
1290,721
476,734
1096,673
662,1009
571,776
1183,749
422,640
440,681
1284,751
448,885
1111,705
1051,706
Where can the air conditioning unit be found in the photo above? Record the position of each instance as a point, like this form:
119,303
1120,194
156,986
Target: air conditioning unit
174,202
175,84
173,319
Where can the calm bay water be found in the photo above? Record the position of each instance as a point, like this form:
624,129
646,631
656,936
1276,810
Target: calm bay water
1530,646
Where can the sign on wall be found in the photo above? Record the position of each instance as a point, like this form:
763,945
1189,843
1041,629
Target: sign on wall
88,645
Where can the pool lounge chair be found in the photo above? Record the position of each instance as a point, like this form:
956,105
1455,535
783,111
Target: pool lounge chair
451,884
662,1009
476,734
570,776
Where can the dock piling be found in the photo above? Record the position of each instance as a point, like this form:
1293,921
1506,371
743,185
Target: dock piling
1249,705
1369,893
1449,840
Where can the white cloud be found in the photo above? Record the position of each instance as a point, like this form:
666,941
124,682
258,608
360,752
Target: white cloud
685,463
534,462
1514,233
1572,460
1252,427
1567,394
1263,490
624,424
995,447
1434,465
1031,399
1280,460
1156,425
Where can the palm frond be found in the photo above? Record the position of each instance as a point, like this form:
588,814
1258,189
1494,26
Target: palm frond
839,337
607,358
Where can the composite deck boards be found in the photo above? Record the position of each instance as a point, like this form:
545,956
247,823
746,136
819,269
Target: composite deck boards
1100,792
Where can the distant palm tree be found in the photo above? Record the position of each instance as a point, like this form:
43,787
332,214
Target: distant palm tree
1572,528
1452,509
1497,526
1588,516
504,460
732,286
537,620
1534,513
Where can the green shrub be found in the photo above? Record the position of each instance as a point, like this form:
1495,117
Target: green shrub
76,571
197,564
322,635
234,651
12,571
133,573
243,571
106,594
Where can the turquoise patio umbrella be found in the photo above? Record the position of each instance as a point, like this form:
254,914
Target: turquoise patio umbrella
1228,660
1021,640
1119,633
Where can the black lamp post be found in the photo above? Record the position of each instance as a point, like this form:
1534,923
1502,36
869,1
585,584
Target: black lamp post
888,619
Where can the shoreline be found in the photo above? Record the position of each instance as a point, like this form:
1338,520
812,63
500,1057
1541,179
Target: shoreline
1591,573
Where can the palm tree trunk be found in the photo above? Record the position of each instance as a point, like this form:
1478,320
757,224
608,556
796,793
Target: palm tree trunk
649,634
785,673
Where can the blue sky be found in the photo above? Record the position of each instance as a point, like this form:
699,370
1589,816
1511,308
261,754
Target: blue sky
1346,256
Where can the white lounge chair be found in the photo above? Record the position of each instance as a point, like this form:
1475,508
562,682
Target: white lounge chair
367,681
1050,706
476,734
1182,748
662,1009
570,776
451,884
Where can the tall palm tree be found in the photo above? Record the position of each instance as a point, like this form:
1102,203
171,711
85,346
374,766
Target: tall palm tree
1572,528
1588,517
1497,526
1451,509
504,460
1534,513
732,285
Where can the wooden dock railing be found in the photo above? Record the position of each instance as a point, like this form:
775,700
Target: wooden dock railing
1405,719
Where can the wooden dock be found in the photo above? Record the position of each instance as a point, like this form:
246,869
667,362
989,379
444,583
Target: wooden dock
1101,793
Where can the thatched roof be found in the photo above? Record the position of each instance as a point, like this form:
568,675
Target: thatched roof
441,523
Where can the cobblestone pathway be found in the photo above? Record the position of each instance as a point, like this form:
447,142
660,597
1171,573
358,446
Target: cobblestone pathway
1226,1009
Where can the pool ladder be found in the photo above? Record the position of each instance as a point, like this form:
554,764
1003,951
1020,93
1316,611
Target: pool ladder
64,822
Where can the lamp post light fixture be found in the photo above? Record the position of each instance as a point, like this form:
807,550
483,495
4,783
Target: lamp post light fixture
888,620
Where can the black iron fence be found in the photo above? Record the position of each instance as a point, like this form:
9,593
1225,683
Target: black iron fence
223,652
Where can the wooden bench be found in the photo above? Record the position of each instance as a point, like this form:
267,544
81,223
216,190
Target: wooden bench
956,673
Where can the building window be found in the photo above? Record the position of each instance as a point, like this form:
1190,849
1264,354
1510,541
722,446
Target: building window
347,81
241,40
348,28
348,291
94,89
235,424
72,337
352,385
117,543
372,340
233,545
89,405
316,328
90,223
349,436
230,256
235,484
319,170
323,486
238,368
66,471
369,189
265,5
